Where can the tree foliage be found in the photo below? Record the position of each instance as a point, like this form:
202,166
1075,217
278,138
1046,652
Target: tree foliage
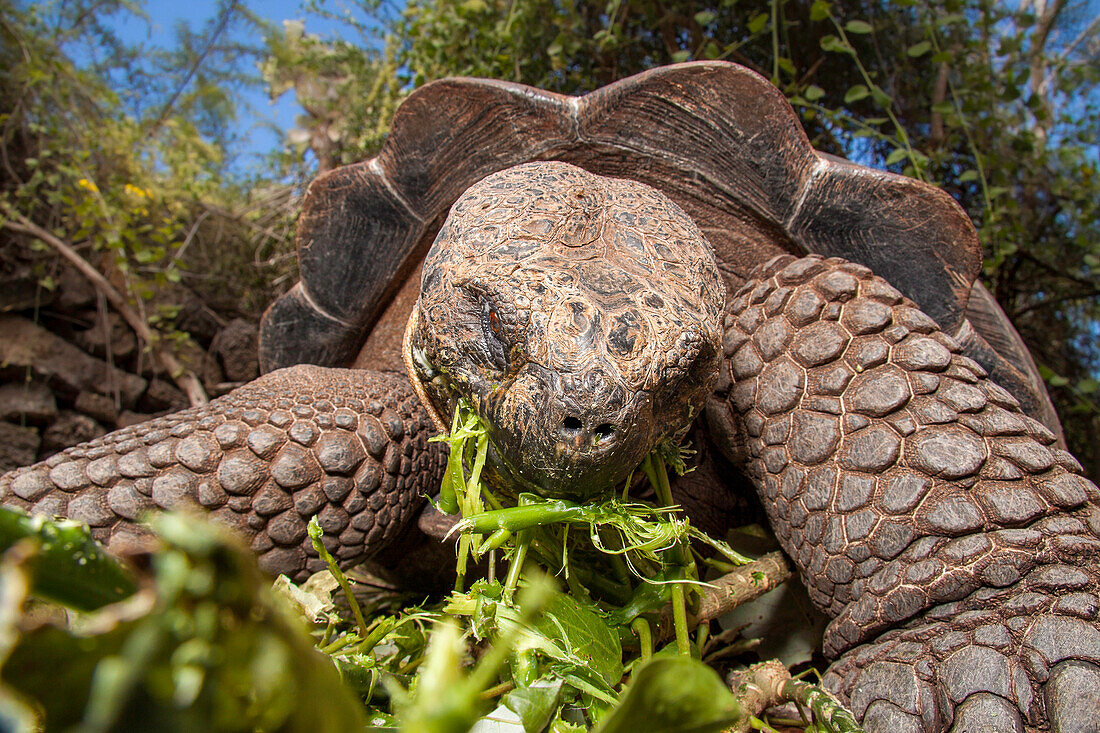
124,153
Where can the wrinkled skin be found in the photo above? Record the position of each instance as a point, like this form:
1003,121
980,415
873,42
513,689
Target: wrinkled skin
578,314
953,543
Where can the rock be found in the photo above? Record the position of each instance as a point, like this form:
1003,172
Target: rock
27,401
99,407
162,396
69,429
128,417
112,332
236,349
195,359
74,292
197,319
18,446
27,345
22,292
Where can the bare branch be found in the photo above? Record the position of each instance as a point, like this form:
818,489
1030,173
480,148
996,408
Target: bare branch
166,110
734,589
1089,30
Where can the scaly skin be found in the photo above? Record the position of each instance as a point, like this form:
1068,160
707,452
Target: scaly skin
912,492
953,544
347,446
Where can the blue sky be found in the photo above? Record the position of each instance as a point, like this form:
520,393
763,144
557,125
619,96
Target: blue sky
159,31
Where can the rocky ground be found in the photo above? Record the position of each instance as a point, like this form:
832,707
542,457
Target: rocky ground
71,370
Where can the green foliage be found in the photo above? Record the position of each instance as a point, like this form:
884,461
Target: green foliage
204,646
348,93
65,564
667,693
124,158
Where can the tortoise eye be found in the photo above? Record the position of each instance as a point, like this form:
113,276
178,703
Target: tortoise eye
494,322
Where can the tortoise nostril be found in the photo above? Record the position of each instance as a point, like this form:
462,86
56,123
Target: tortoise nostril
571,424
604,431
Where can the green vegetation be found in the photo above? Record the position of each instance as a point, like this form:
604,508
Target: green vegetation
124,161
205,643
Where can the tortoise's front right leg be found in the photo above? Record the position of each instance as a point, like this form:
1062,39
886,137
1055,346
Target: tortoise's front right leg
956,547
348,446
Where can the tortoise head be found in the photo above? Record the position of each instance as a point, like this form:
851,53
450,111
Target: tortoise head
580,317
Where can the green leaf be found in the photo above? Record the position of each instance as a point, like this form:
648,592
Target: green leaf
216,651
786,65
858,27
819,10
705,17
674,694
758,22
584,634
856,93
898,155
943,108
66,565
942,57
1088,386
534,706
919,49
834,45
681,56
967,176
814,93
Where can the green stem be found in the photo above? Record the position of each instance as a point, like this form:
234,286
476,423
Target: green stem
827,712
315,534
494,541
523,541
343,641
380,628
903,136
460,565
679,618
641,629
775,42
518,518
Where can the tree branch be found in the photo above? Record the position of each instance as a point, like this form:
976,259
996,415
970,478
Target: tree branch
733,589
1088,31
166,109
180,375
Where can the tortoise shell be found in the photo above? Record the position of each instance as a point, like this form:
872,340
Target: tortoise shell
716,138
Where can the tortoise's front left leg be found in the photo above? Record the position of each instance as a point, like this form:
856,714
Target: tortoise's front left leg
956,547
347,446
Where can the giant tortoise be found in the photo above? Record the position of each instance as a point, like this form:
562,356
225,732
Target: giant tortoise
886,412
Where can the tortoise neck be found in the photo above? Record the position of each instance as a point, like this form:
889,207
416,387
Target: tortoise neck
414,376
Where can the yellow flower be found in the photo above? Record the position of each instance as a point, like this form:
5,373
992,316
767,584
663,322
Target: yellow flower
88,185
133,190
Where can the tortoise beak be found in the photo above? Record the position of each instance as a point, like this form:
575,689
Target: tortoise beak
583,437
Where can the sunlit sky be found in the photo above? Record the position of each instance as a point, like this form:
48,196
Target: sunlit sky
159,31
